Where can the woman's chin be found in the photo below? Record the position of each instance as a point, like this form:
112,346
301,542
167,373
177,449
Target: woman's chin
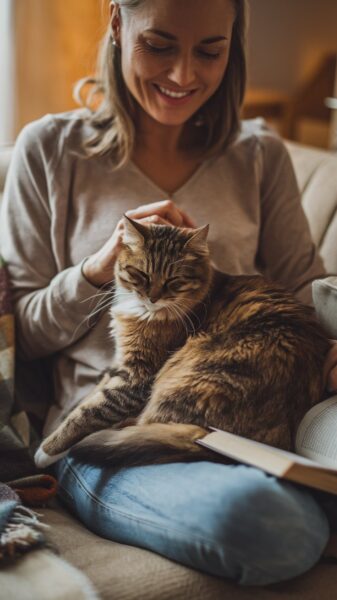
170,117
173,120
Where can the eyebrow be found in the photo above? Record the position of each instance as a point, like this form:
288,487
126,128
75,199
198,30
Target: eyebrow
169,36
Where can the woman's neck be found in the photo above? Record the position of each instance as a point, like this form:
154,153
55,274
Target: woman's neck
157,139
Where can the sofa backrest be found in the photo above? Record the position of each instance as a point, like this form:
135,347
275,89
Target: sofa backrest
316,172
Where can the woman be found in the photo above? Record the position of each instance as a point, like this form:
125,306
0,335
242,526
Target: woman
165,147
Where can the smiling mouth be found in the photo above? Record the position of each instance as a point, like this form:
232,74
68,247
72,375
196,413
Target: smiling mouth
172,94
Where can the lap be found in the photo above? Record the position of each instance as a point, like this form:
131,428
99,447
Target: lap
234,514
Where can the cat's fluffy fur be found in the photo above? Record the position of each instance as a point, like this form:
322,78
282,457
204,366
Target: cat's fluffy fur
194,348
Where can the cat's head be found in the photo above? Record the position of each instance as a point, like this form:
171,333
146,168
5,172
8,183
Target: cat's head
166,269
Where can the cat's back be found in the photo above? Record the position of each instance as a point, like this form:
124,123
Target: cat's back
249,305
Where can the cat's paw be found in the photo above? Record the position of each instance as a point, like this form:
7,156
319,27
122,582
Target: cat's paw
42,459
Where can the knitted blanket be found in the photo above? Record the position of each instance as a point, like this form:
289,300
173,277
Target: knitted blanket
20,528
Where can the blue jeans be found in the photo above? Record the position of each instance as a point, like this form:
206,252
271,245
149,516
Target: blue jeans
233,521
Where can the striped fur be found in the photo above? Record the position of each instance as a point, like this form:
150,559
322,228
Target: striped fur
202,349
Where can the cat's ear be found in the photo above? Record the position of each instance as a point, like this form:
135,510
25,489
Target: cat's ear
134,233
198,240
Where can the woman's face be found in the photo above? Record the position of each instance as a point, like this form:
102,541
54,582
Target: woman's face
174,54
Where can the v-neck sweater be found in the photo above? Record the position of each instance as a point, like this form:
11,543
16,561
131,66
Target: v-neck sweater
60,207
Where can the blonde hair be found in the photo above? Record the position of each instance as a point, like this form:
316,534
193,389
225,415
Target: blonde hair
113,119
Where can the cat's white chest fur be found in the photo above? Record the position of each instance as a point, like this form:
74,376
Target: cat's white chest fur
128,303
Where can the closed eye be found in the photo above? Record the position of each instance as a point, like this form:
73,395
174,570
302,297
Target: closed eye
169,49
181,284
134,276
133,272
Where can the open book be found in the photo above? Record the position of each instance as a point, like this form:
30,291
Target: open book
315,464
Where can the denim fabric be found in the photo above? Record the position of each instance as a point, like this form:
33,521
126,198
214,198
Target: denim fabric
233,521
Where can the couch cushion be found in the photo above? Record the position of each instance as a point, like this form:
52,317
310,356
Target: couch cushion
316,172
324,293
128,573
42,575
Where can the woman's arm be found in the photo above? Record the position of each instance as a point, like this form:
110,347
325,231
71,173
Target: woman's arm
52,304
51,307
286,253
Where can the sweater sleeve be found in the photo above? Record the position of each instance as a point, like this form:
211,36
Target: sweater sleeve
286,251
51,307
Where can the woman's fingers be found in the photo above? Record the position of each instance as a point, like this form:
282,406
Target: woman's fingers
99,267
153,219
330,368
166,210
188,222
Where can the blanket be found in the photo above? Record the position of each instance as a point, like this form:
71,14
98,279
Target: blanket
20,529
23,486
16,434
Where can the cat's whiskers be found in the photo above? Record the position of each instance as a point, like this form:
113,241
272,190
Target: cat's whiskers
183,315
99,309
101,290
100,306
97,295
185,311
179,318
87,318
196,316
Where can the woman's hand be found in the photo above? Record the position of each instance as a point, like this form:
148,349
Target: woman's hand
330,368
164,212
98,268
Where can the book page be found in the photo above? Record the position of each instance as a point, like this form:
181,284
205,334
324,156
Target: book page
241,448
317,433
272,460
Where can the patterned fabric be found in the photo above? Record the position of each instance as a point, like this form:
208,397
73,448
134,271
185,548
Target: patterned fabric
20,529
16,434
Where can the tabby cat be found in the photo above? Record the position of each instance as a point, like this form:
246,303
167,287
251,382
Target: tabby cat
194,348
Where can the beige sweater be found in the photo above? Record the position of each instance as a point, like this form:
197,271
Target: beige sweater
60,207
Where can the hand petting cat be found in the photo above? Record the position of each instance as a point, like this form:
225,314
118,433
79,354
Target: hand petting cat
164,212
98,268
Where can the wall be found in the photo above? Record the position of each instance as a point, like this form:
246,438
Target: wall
56,43
287,40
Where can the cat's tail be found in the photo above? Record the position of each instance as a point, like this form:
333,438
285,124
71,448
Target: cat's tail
155,443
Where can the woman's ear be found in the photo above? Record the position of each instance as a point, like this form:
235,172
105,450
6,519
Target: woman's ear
115,22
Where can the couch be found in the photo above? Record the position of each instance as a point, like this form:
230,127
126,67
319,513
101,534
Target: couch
127,573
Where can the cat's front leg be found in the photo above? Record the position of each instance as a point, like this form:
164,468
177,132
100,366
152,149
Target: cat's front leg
109,405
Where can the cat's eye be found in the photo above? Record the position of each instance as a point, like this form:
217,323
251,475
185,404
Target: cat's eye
177,283
136,273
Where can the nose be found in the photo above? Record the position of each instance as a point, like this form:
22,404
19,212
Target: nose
182,71
154,298
154,295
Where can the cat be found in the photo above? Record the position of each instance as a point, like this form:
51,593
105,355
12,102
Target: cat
194,348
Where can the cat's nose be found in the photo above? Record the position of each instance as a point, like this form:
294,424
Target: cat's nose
154,297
